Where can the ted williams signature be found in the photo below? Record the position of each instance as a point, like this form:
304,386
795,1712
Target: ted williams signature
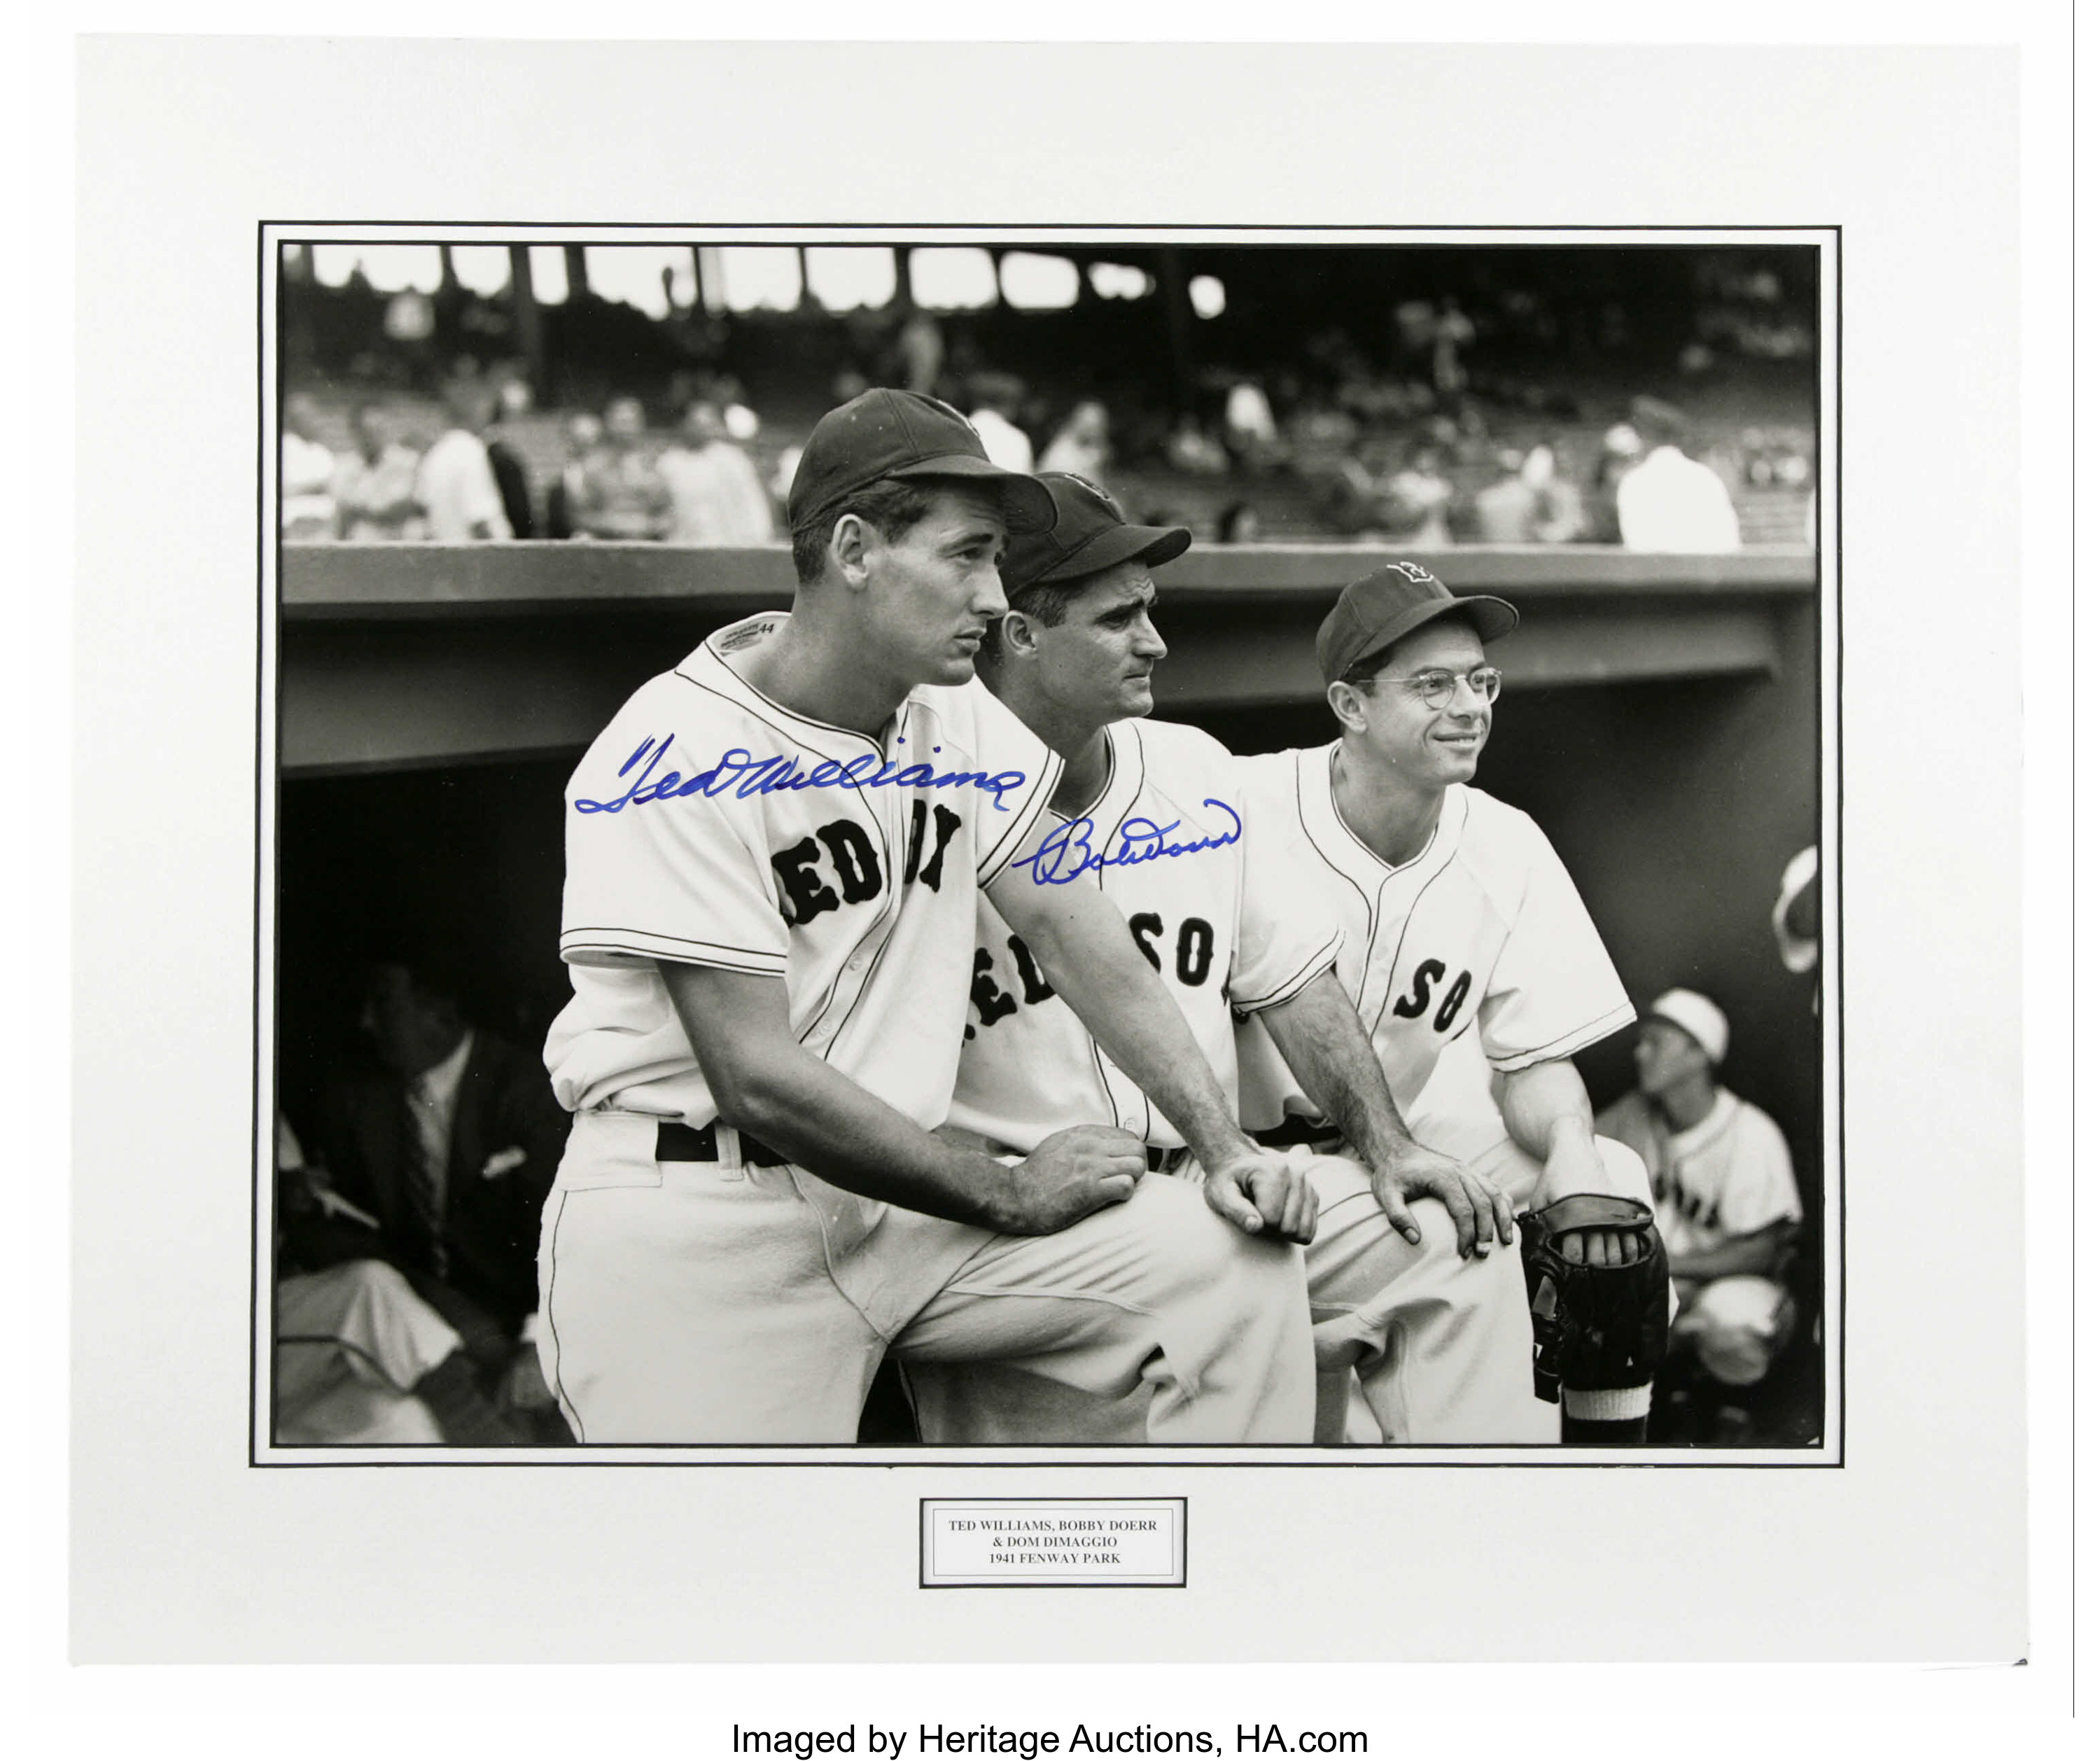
1069,852
749,774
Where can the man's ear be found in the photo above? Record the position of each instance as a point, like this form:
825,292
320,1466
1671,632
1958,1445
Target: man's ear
852,538
1017,633
1347,701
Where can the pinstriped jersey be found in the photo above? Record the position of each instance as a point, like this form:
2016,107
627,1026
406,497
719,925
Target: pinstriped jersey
1215,901
708,824
1479,942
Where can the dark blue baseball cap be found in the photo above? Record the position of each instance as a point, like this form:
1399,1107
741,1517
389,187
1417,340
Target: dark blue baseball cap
1090,534
1376,610
888,433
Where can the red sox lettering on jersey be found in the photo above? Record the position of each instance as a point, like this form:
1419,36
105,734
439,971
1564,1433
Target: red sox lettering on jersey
1222,912
700,793
1484,927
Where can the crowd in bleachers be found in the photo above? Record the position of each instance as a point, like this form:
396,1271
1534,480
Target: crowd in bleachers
482,467
1324,446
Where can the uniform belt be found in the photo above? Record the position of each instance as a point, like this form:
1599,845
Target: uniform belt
678,1141
1294,1130
1162,1160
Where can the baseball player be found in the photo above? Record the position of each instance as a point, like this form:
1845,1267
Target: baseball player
1150,815
1467,951
774,853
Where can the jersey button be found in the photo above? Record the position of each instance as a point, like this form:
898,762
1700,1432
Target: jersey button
1131,1125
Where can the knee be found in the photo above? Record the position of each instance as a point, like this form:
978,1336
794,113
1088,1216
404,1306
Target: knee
1194,1249
370,1286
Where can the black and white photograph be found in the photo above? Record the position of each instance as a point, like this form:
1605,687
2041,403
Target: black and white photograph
1050,842
936,859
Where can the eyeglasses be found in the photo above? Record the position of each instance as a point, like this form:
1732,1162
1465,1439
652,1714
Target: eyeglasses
1434,689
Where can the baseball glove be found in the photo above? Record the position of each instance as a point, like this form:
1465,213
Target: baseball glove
1595,1327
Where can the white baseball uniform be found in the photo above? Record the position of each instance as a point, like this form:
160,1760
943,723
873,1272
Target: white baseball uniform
1235,922
727,1302
1476,957
1729,1175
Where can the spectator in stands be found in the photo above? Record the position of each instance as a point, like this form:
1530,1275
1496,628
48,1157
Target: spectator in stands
1726,1202
715,495
1191,447
448,1146
1453,332
1418,502
1621,451
454,483
738,417
359,1357
995,418
1239,522
1560,517
621,495
375,487
1081,447
513,398
306,496
1507,511
584,433
921,351
1671,502
1251,434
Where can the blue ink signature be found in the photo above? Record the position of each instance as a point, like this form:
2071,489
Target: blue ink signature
749,774
1138,840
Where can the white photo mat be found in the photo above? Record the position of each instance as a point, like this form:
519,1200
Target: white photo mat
183,1551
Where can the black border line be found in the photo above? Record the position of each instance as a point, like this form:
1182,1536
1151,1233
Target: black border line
1105,1497
1548,1455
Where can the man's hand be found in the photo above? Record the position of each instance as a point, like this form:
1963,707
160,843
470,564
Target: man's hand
1071,1175
1575,1167
1261,1192
1479,1211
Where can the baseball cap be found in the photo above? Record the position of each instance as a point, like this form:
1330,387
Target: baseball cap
1377,609
1090,535
888,433
1700,1016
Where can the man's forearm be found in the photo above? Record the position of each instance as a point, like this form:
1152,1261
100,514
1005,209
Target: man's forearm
1546,1109
1325,1044
797,1103
1085,950
778,1090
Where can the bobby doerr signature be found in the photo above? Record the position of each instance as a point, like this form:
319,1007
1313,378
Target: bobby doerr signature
1068,853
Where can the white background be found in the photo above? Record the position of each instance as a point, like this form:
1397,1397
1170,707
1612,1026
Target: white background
1913,1552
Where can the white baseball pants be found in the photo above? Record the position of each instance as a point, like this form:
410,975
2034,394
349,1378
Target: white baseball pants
1440,1347
695,1303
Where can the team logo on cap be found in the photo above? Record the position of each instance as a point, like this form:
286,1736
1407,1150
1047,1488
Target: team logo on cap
1411,572
1093,489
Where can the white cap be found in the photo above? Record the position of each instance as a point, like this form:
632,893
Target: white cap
1698,1016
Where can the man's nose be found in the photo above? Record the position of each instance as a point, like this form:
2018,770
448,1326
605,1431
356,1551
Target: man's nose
1150,643
988,594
